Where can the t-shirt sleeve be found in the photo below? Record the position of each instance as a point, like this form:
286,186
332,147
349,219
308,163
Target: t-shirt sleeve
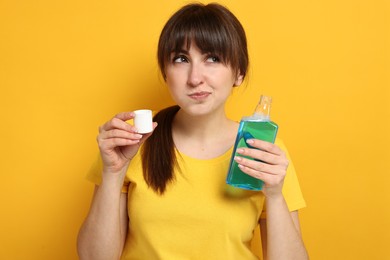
94,174
291,189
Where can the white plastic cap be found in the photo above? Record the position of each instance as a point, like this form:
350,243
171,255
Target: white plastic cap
143,121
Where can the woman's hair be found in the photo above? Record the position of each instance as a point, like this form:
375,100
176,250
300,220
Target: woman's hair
214,29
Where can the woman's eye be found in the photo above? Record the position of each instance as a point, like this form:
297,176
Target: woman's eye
213,59
179,59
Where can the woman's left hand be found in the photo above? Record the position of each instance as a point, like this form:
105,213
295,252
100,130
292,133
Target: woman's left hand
269,164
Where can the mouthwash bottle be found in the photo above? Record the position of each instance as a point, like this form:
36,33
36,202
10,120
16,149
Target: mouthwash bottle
257,126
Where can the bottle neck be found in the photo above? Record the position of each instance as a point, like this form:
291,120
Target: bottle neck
263,109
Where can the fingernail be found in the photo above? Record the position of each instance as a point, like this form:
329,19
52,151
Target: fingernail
240,150
250,141
237,158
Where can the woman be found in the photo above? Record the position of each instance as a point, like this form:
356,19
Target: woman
169,200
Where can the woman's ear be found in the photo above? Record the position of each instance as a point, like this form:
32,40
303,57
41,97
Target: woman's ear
238,80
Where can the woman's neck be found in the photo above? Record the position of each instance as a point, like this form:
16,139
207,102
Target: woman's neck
205,136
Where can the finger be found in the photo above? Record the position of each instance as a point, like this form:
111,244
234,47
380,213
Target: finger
124,116
256,165
265,146
254,173
264,156
268,178
117,133
109,144
117,123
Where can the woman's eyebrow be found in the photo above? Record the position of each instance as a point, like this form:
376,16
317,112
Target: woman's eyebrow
180,51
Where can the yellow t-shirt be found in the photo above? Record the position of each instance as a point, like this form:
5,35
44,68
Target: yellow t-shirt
199,216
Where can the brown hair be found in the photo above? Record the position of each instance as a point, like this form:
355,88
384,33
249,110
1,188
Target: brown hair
214,29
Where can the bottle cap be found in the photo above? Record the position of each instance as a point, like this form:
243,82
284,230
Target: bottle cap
143,121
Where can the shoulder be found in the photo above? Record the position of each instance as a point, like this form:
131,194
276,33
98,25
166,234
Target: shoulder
279,142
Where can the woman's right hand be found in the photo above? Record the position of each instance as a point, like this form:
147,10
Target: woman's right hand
119,142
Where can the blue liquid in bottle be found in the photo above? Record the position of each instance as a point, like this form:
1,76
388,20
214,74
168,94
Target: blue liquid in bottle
257,126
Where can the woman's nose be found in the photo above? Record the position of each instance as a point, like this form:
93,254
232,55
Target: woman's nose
195,75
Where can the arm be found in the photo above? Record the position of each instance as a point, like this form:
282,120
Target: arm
280,231
264,223
103,233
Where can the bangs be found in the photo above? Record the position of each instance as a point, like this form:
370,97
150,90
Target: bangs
204,31
213,29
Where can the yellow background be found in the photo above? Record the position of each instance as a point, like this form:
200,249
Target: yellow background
68,66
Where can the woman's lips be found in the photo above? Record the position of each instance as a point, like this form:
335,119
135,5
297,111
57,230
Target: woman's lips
199,95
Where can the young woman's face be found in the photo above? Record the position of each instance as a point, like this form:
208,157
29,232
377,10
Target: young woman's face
199,82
